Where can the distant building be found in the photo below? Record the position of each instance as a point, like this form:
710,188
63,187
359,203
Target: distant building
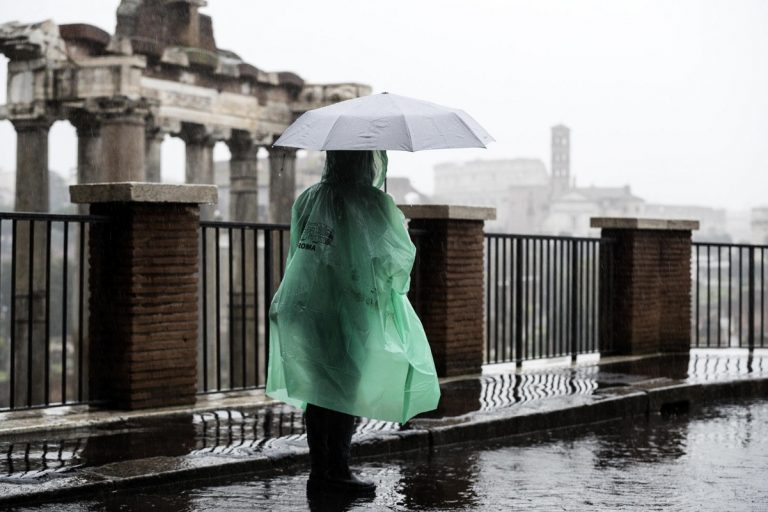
713,223
561,160
528,199
758,223
518,188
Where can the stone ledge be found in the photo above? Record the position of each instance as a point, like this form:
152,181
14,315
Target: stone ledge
642,223
447,211
139,192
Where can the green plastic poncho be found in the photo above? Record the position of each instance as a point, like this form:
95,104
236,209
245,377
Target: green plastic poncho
343,334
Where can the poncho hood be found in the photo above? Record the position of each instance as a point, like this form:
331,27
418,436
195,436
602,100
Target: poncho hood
355,167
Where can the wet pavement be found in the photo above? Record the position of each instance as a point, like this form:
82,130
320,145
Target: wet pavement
145,450
716,459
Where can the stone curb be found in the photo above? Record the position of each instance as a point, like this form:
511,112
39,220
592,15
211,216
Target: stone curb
527,418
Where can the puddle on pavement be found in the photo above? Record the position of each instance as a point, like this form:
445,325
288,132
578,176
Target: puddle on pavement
243,432
713,460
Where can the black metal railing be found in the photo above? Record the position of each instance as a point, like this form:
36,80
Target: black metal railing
241,268
541,297
728,299
43,309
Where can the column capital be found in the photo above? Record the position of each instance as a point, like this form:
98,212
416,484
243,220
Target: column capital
243,145
33,123
193,133
87,124
155,131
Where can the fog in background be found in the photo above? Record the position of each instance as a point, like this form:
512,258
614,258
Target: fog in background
668,96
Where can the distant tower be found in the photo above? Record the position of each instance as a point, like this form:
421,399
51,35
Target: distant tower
561,159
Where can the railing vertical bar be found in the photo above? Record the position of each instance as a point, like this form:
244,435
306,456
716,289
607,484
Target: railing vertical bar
555,296
741,292
503,298
204,276
30,308
488,299
719,293
709,282
531,303
243,295
696,294
542,274
496,296
519,302
548,299
574,299
255,307
80,326
537,291
217,289
762,296
526,299
231,309
268,257
751,299
64,295
595,283
47,366
12,372
730,285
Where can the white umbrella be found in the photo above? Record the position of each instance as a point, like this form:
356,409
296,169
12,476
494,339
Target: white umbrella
384,121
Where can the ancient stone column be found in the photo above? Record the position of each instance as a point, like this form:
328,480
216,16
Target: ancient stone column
88,128
282,183
645,285
450,283
153,158
29,301
244,189
199,158
144,292
123,147
32,164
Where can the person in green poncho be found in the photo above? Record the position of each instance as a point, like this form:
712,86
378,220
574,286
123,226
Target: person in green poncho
344,340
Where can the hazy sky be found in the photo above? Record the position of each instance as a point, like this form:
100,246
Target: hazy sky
668,96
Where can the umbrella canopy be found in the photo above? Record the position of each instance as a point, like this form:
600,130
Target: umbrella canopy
384,121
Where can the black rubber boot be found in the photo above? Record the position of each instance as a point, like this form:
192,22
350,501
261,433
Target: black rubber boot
317,439
340,429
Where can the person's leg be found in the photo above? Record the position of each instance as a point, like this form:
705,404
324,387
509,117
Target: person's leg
341,426
317,439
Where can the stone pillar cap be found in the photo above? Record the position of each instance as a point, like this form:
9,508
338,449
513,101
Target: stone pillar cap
139,192
447,211
642,223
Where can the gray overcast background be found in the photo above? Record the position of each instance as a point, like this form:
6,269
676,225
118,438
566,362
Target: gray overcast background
669,96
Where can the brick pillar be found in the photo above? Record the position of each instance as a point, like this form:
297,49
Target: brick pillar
143,292
645,285
449,293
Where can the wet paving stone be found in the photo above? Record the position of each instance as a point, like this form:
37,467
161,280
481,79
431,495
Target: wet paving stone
714,459
276,430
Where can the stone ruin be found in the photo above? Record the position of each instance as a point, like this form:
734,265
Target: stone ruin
160,74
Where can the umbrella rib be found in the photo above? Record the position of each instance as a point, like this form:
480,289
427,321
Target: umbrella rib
408,130
470,130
